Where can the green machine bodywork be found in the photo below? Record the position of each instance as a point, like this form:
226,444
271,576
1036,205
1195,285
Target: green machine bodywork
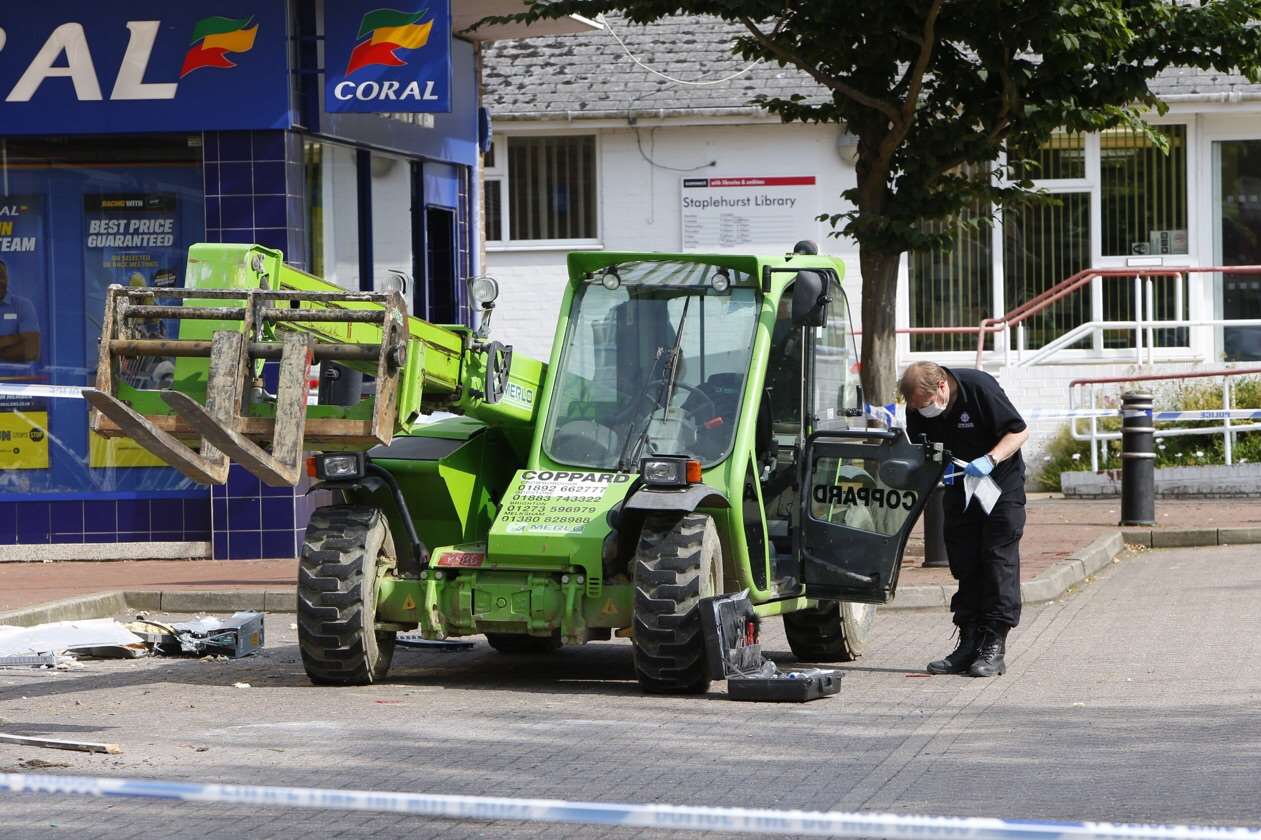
524,515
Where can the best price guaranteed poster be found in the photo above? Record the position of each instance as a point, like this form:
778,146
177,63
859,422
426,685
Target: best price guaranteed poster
131,239
23,331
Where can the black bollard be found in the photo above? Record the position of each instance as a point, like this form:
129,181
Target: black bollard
1138,460
935,530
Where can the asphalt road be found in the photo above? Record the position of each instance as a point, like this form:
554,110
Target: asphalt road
1135,699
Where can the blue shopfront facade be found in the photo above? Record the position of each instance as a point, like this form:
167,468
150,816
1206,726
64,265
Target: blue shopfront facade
130,130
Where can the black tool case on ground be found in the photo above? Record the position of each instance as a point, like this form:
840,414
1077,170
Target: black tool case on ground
785,686
733,652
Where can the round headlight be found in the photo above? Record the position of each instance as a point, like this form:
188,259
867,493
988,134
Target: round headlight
611,281
484,290
720,282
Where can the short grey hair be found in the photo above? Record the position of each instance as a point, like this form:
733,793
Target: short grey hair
921,378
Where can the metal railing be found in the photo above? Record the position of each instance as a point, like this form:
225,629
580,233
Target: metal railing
1091,412
1141,322
1144,280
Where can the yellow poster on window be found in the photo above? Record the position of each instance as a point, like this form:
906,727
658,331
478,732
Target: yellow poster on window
119,452
23,440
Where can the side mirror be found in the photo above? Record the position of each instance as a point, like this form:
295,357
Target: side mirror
809,307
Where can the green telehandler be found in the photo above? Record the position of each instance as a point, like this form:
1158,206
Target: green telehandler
698,430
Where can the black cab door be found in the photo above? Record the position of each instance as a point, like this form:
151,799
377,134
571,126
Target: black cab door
863,491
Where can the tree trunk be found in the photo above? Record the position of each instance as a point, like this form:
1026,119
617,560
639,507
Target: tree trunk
879,321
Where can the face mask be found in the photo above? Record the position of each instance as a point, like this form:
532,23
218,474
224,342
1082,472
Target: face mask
931,410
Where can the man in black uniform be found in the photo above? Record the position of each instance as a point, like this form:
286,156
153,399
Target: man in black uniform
967,412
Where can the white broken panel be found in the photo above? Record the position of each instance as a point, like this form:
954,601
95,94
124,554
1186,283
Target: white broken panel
103,637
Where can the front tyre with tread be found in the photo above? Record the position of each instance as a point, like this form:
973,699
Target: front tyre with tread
677,563
347,548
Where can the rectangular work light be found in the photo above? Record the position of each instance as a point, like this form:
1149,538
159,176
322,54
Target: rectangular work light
670,471
337,466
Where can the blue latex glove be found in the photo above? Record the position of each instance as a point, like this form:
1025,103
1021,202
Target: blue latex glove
980,467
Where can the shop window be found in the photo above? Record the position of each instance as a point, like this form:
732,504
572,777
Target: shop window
1237,196
391,218
953,286
1060,158
77,215
1144,192
540,189
492,206
333,199
1042,245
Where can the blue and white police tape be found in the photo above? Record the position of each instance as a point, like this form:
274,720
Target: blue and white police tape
1208,414
673,817
16,389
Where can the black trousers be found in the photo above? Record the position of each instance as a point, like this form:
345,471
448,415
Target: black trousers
984,555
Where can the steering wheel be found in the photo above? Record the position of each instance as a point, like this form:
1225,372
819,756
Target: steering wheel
585,441
647,394
656,386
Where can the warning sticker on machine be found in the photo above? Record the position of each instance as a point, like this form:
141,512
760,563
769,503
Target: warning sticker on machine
557,501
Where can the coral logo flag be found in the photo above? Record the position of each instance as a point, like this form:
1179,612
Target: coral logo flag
397,58
214,38
383,32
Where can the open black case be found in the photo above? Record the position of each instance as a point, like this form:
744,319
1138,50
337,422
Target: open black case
733,652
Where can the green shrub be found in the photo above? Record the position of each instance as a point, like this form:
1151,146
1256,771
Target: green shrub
1063,453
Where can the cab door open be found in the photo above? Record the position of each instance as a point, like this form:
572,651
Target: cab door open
864,491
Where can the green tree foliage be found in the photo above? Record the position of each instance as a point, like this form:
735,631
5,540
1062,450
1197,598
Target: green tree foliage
934,89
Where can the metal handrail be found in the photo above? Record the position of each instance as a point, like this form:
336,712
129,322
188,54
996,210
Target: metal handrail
1150,377
1073,283
1227,430
1066,287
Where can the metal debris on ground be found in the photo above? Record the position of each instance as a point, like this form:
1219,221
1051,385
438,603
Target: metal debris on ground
416,642
58,744
39,660
58,644
240,635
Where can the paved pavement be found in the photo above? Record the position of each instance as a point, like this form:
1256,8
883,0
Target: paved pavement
29,584
1134,699
1056,528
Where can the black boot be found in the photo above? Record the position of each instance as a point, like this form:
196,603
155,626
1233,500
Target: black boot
960,659
992,649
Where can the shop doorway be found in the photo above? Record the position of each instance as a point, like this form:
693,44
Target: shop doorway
1237,201
440,265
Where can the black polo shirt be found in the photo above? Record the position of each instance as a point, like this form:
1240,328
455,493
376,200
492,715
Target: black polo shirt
979,418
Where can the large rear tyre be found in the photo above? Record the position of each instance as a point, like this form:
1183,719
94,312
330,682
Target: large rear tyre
347,548
518,644
677,563
834,631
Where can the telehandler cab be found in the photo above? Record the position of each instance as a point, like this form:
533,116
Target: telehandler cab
698,430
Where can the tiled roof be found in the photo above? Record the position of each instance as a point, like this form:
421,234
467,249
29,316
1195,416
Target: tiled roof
589,75
1188,81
